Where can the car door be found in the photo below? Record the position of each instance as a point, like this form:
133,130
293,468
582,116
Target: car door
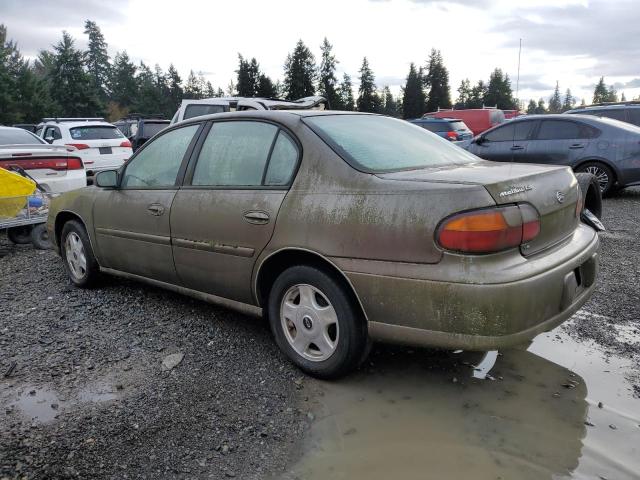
224,215
132,222
498,145
559,142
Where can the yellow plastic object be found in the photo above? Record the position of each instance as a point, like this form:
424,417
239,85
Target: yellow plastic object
14,192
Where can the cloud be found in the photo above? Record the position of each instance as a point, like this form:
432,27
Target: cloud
602,30
635,83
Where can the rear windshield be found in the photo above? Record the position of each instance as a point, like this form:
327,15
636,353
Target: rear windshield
458,126
150,129
434,126
17,136
378,144
95,133
198,110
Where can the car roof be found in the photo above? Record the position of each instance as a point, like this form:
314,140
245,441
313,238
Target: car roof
271,115
435,120
81,124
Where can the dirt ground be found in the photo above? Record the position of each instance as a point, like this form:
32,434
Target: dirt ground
130,381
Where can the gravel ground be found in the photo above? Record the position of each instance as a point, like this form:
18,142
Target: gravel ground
230,408
89,365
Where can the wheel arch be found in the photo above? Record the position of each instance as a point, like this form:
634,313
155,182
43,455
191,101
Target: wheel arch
608,163
63,217
277,262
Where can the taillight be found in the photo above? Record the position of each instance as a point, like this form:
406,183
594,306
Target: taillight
452,136
79,146
53,163
489,230
126,144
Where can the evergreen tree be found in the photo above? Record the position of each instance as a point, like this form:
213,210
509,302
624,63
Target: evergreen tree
368,99
464,93
612,95
266,87
299,73
477,96
345,91
149,98
541,108
220,92
209,91
97,59
389,104
70,86
413,98
531,108
175,93
327,82
122,82
600,93
555,102
569,101
437,82
623,98
193,88
499,93
248,77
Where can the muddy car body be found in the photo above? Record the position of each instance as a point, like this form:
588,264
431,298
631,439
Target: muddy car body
352,241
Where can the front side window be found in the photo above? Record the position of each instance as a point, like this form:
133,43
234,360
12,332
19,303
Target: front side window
558,130
157,164
515,131
95,133
234,154
377,144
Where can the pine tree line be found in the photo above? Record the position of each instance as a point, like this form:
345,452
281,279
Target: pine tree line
68,81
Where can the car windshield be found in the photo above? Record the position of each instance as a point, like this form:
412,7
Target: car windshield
18,136
149,129
379,144
95,133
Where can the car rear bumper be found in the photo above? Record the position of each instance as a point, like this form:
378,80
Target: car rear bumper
477,315
63,184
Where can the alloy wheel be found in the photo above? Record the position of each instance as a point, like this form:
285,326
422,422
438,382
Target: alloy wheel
601,176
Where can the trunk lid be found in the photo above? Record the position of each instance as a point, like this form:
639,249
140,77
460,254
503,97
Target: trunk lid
553,191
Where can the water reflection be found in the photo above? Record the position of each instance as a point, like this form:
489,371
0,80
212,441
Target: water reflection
432,415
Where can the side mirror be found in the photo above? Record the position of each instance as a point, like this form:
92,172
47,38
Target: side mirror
107,179
48,139
479,140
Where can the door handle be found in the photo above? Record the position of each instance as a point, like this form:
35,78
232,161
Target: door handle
256,217
156,209
576,145
517,147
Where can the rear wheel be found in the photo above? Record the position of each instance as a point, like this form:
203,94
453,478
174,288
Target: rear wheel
604,175
77,254
19,235
40,237
315,323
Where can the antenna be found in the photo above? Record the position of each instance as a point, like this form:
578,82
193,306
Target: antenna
518,77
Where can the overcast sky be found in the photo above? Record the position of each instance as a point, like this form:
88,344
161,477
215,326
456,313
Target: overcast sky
570,41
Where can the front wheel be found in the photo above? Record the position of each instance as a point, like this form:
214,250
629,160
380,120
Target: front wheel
315,322
604,175
79,262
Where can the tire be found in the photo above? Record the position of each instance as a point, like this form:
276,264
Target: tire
74,247
40,237
590,191
19,235
315,323
604,175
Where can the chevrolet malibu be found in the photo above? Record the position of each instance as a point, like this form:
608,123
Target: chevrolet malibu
341,229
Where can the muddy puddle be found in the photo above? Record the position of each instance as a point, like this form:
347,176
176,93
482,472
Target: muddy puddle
557,409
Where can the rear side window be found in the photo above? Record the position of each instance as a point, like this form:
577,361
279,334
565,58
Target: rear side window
17,136
95,133
197,110
617,114
234,154
457,126
282,162
157,164
634,116
558,130
149,129
511,132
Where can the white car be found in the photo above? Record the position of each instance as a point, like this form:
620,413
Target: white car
56,168
99,144
207,106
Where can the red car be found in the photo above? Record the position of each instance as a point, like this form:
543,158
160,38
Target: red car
477,119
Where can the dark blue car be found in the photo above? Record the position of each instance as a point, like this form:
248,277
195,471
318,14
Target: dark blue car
450,128
609,149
